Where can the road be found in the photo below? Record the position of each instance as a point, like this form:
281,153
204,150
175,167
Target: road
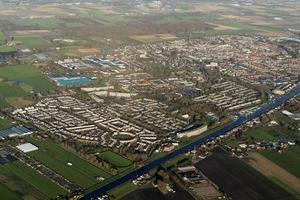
223,131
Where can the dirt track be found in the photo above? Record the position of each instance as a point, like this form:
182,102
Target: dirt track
270,169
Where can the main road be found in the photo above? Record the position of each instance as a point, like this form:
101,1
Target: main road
223,131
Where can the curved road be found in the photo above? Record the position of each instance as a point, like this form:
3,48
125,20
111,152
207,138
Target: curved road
223,131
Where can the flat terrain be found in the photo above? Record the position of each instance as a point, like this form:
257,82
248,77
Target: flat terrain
19,181
56,158
4,123
288,160
154,193
270,169
260,134
153,38
6,49
239,180
2,38
18,82
26,74
33,42
114,159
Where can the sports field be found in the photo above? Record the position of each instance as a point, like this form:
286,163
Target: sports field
56,158
114,159
19,181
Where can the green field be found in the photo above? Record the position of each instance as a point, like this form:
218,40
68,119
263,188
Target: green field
5,123
122,190
33,42
68,52
114,159
56,158
2,38
9,90
40,23
6,49
289,159
19,81
27,74
19,181
260,134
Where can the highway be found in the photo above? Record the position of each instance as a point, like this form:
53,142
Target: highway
223,131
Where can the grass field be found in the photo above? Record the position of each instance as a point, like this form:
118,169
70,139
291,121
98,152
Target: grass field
6,49
56,158
114,159
5,123
9,90
288,160
19,81
2,38
68,52
153,38
19,181
123,190
39,22
27,74
8,194
260,134
33,42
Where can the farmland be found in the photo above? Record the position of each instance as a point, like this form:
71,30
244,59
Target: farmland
276,173
9,90
288,160
56,158
33,42
239,180
45,23
260,134
149,193
123,190
5,123
26,74
153,38
18,82
114,159
5,49
21,182
2,38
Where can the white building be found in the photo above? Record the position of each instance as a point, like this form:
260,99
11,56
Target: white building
192,132
27,147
